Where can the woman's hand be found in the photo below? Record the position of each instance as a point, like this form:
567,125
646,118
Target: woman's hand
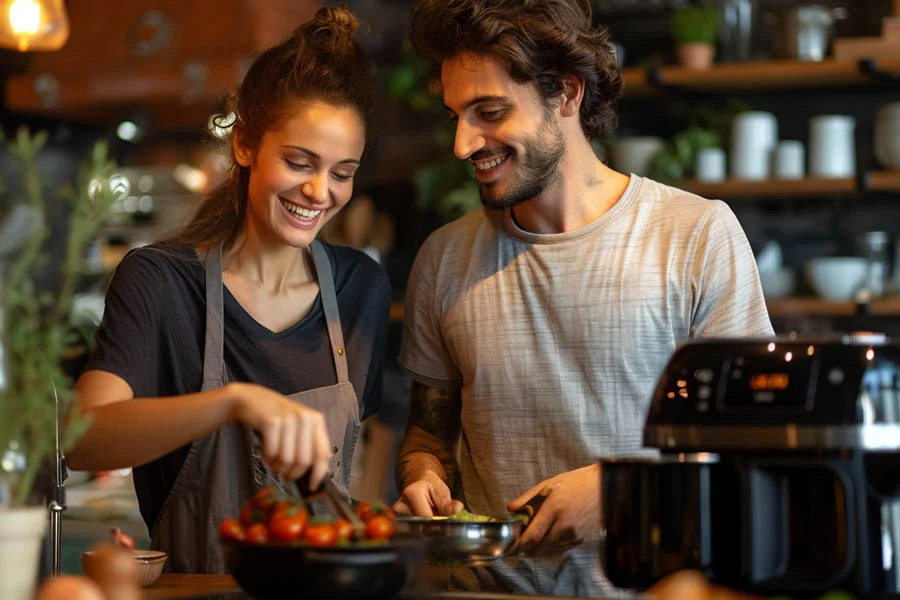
295,437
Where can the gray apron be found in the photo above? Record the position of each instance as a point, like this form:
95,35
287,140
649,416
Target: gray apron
224,469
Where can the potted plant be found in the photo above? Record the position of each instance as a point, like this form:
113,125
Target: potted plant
695,30
36,331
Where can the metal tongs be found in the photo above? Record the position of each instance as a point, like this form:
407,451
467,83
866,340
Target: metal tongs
328,501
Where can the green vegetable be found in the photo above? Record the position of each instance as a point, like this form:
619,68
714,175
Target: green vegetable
467,517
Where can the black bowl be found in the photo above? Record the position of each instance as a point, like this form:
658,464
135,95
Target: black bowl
304,572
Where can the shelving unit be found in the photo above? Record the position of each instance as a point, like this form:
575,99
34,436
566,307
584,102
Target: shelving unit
789,307
735,189
816,307
761,75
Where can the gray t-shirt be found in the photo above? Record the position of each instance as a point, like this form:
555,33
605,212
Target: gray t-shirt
558,340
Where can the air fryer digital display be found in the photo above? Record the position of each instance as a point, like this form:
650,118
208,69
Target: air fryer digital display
766,382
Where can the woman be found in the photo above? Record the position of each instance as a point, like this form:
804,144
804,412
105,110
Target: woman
242,352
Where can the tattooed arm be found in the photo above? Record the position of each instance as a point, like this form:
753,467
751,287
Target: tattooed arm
427,469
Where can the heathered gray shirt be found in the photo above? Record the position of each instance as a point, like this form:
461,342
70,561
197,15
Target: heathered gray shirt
558,340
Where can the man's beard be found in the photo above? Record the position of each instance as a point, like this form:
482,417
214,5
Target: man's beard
538,170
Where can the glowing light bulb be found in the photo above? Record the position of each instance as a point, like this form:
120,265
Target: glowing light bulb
33,25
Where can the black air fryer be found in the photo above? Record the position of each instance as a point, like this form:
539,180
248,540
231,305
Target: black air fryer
778,472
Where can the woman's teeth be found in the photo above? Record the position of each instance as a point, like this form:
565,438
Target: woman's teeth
490,164
303,213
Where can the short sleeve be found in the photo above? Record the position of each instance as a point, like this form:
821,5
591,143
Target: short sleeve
129,339
728,296
423,352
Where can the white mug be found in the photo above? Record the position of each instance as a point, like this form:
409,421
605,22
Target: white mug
789,160
832,148
710,165
754,135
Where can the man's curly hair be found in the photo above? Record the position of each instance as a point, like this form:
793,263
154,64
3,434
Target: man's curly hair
541,41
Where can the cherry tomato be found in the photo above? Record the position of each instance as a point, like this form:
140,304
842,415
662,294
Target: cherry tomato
287,522
258,508
367,510
257,534
232,529
379,527
344,530
321,535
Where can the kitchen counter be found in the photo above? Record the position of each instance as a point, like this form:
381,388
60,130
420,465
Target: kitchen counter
223,587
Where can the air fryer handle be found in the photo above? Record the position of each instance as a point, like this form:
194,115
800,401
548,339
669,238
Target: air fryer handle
768,546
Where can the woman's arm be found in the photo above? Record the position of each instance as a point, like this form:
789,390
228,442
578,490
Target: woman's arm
127,431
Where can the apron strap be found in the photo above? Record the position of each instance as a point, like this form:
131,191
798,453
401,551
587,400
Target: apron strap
213,353
330,304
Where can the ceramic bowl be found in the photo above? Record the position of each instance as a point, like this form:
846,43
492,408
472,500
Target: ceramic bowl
150,564
837,278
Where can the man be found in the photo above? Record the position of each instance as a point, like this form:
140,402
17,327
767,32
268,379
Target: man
537,328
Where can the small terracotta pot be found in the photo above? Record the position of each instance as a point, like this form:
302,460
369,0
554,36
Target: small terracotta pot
696,56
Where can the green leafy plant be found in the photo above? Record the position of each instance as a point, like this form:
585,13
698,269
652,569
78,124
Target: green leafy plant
695,24
36,328
706,128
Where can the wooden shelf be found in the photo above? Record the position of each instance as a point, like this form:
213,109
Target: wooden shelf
789,307
736,189
882,181
762,75
816,307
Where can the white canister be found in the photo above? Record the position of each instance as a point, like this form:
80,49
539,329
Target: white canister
710,165
789,160
832,147
754,135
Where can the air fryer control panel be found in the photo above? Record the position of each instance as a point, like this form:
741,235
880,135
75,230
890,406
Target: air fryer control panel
765,382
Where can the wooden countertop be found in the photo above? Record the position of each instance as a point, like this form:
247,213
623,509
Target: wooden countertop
172,585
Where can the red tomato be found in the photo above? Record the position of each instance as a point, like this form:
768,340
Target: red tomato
344,530
287,522
257,534
322,535
379,527
232,529
258,508
367,510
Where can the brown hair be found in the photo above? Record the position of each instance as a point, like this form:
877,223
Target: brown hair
321,60
540,40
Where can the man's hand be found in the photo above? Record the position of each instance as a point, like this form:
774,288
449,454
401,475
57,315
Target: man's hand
427,497
569,515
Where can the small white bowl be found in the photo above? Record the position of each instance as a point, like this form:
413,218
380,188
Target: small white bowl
837,278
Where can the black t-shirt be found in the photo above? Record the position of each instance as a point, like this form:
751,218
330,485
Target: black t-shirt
153,335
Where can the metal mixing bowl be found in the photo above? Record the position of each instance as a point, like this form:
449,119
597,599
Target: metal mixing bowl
450,541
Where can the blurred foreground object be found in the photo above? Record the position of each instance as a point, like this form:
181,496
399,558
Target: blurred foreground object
33,25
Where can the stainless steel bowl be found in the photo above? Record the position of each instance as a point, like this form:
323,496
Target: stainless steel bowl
463,542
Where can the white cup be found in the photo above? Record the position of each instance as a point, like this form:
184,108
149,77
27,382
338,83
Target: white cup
832,149
710,165
789,160
754,135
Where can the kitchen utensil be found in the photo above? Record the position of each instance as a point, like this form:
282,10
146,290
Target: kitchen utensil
736,31
832,148
150,564
754,135
328,501
779,471
272,571
789,160
837,278
805,32
452,542
710,166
